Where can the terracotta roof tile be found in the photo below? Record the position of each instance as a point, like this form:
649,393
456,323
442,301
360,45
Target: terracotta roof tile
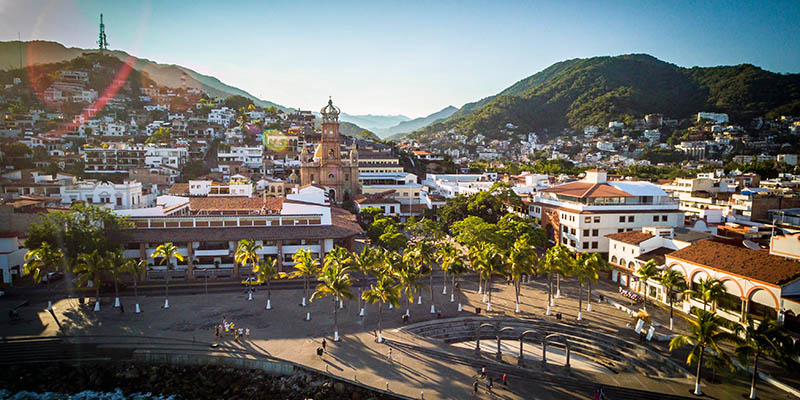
630,237
179,189
225,203
587,190
754,264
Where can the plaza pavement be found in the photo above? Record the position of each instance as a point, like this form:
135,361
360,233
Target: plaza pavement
419,365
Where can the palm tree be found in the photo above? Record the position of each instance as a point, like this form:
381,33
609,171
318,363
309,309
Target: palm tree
488,260
42,261
521,259
672,280
647,271
422,254
115,262
167,251
768,339
305,266
91,267
384,290
556,261
453,264
136,269
705,332
410,276
584,272
247,253
334,280
592,269
366,263
708,290
265,271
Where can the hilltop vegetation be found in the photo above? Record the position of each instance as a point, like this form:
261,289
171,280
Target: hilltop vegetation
593,91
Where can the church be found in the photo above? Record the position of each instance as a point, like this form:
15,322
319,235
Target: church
325,168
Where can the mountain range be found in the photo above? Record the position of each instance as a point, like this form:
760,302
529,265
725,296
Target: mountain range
593,91
417,123
13,54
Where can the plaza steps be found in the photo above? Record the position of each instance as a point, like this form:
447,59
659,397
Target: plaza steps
609,351
33,350
554,376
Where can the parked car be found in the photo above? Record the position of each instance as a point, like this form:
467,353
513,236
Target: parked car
53,276
250,281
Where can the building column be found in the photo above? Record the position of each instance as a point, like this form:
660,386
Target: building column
745,309
280,255
190,260
235,264
322,248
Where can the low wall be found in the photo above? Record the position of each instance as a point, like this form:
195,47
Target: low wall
276,368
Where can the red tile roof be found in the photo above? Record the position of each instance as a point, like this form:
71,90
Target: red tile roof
230,203
630,237
754,264
587,190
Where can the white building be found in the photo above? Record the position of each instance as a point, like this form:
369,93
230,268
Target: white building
12,258
174,157
114,195
251,157
580,214
652,135
718,118
221,116
207,188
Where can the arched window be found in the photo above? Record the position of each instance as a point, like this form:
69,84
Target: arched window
614,259
331,176
622,262
631,265
331,154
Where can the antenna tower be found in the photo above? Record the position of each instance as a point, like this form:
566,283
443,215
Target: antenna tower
102,41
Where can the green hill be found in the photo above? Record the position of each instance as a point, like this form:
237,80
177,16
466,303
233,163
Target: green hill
45,52
593,91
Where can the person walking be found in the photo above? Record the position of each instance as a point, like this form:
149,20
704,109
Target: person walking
489,386
390,355
324,346
483,372
121,308
247,333
505,379
475,388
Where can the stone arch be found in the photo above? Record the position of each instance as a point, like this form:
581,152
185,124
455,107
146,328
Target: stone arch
631,265
622,262
729,279
682,270
563,341
755,289
613,259
698,272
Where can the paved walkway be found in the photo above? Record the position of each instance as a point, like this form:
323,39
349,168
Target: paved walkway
418,364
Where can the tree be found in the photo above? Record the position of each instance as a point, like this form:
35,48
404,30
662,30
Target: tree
672,280
704,332
452,263
167,252
368,215
194,169
473,230
237,102
708,290
81,230
247,254
521,259
136,269
422,254
647,271
384,290
559,261
161,135
305,267
366,263
487,260
265,271
42,261
115,270
768,339
91,267
591,270
409,275
334,280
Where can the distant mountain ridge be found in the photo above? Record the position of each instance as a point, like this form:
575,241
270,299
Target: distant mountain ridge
374,122
593,91
44,52
416,123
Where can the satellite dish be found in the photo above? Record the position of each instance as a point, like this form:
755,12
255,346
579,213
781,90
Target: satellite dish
751,245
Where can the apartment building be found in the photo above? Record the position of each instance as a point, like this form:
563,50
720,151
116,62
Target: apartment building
114,195
580,214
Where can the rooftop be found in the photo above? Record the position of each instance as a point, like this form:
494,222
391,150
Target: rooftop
754,264
630,237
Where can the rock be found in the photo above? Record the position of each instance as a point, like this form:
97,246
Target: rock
338,387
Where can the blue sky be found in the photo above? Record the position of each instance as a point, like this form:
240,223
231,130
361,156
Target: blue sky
410,57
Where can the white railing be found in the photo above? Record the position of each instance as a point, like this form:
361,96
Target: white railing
225,221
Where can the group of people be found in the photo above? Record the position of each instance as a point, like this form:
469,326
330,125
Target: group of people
227,328
489,381
636,297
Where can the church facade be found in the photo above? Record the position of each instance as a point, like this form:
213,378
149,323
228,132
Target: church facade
325,167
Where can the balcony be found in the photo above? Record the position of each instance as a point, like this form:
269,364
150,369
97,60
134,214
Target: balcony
212,252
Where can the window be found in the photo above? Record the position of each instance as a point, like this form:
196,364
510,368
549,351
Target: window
630,218
621,218
620,230
572,231
331,176
587,220
664,218
572,243
594,245
585,245
596,220
655,218
585,232
595,232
